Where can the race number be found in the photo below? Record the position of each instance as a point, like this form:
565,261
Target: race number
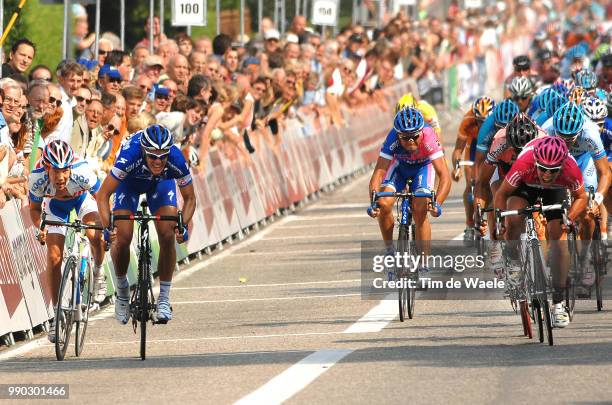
325,12
188,12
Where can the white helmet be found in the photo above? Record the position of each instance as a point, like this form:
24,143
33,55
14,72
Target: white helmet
595,109
521,86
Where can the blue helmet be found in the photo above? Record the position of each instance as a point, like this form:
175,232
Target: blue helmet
156,137
568,120
586,78
554,103
545,96
408,120
560,88
505,112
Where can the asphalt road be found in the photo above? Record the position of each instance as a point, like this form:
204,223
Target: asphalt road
279,317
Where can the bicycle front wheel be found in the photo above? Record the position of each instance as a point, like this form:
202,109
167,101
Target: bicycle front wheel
406,294
86,289
64,309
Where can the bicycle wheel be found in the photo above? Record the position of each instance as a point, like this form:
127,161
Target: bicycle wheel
599,263
63,312
548,321
403,291
541,292
143,303
570,286
86,289
537,315
411,295
525,317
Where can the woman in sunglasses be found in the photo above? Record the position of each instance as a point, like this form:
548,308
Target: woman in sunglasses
148,163
411,151
544,169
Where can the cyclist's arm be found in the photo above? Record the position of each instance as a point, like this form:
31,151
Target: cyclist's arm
35,212
579,204
378,175
444,183
501,197
189,202
603,175
484,176
478,161
103,195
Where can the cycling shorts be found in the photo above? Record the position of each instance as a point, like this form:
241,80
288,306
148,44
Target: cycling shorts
59,210
398,174
159,194
549,196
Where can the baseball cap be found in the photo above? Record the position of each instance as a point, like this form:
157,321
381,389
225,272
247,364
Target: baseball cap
162,91
521,62
292,38
153,60
110,71
89,64
272,34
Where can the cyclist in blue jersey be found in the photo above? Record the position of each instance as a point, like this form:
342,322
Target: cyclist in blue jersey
553,103
148,163
584,143
62,183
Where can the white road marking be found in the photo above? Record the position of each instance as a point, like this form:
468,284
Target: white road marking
354,280
295,378
298,217
297,252
338,206
305,297
325,237
332,225
377,318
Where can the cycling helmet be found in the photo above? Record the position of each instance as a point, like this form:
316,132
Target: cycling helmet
587,79
504,112
554,103
569,84
156,137
545,96
595,109
483,107
407,100
408,120
577,94
520,87
58,154
550,151
568,120
520,131
560,88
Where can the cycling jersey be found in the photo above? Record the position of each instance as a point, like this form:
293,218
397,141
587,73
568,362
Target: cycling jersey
429,115
468,128
502,154
415,165
136,178
81,185
606,137
486,133
524,172
589,140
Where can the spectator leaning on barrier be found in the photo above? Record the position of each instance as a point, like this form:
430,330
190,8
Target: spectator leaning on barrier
80,130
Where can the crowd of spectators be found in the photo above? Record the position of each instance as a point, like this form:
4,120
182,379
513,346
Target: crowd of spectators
237,96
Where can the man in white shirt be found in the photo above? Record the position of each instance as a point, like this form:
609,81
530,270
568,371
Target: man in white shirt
63,130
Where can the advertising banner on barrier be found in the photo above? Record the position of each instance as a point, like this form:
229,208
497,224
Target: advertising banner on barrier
221,195
203,232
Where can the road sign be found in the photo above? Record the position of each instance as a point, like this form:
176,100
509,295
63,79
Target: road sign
325,12
188,12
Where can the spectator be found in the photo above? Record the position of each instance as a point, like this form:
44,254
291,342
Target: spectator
40,72
145,84
140,122
230,61
185,44
161,103
134,98
109,79
20,58
200,88
58,119
298,27
178,70
105,46
157,35
94,113
197,60
70,78
152,67
173,89
139,54
122,61
272,41
204,45
167,50
80,130
221,43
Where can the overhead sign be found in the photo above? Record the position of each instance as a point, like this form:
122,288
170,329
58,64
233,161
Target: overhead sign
325,12
188,12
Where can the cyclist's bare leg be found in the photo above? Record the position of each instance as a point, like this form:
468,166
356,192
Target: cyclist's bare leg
166,236
55,252
120,251
491,215
469,206
385,218
95,238
559,257
421,222
515,225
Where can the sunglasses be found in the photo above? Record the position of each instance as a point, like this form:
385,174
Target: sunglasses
101,52
522,97
80,99
111,128
408,136
114,80
53,100
551,170
162,96
154,156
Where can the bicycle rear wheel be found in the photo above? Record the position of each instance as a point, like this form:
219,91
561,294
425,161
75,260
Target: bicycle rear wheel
525,317
406,295
86,289
64,309
143,303
537,315
599,263
570,287
541,293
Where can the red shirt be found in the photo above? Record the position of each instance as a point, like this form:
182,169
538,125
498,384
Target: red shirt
524,171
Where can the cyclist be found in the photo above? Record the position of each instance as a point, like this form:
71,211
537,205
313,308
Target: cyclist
544,169
427,110
588,80
467,136
62,182
411,150
521,92
147,163
584,143
552,102
522,68
507,144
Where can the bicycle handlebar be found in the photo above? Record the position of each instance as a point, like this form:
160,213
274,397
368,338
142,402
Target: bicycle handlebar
75,225
139,217
530,210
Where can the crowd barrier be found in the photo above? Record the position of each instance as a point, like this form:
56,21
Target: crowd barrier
231,199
